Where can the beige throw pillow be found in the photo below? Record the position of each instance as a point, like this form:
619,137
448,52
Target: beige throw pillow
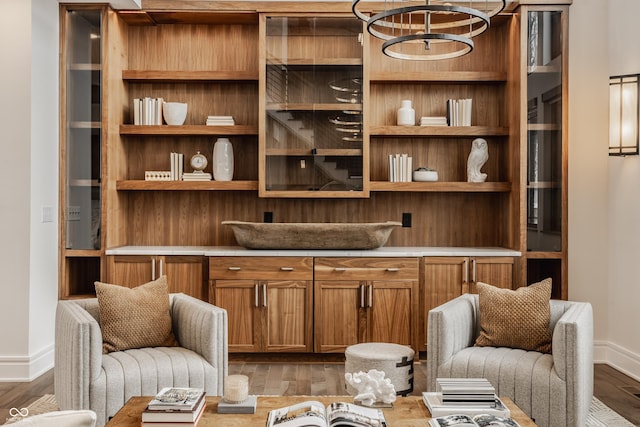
135,317
515,318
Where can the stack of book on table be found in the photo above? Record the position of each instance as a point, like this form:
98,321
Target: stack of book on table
464,396
220,121
175,406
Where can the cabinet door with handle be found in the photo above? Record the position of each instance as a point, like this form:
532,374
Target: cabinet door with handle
287,315
241,299
392,307
340,314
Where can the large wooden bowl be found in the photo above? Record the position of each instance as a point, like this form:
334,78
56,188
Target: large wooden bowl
258,235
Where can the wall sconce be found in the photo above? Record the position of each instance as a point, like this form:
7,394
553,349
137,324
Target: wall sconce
623,115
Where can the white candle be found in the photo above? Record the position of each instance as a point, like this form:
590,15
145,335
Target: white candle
236,388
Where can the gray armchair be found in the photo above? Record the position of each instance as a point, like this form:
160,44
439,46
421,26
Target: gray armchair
85,378
553,389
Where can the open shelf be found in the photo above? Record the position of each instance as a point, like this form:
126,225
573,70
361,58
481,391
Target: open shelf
439,77
443,131
315,61
188,130
312,106
141,185
169,76
442,187
318,152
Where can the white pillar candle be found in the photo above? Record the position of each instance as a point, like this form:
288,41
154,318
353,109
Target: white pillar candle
236,388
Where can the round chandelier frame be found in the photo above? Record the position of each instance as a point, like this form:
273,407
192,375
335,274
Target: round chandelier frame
402,28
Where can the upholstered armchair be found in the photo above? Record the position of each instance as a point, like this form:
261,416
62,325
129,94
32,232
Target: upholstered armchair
554,389
85,378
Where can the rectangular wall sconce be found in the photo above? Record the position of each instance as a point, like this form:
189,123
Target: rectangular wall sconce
623,115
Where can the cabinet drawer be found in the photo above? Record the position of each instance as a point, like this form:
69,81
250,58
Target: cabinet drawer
261,268
366,268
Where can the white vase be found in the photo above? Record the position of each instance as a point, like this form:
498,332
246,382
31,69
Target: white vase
223,160
406,114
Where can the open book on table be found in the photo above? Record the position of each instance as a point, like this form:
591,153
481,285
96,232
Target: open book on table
315,414
482,420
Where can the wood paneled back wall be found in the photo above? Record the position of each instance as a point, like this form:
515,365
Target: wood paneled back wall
193,217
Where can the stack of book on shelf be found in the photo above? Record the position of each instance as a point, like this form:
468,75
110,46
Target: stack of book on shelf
196,176
147,111
433,121
175,406
220,121
464,396
400,168
177,166
459,112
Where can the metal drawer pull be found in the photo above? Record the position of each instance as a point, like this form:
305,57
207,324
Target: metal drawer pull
361,296
370,295
286,268
264,295
393,269
257,292
234,268
340,269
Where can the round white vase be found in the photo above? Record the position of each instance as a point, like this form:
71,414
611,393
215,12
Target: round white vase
223,160
406,114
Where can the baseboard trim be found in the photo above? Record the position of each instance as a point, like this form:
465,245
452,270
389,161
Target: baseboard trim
26,368
617,357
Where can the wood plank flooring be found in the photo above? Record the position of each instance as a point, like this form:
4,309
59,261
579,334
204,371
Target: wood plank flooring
613,388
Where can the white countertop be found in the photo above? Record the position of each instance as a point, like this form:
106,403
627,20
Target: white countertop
390,251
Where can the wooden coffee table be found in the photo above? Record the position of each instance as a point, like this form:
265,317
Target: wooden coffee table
406,412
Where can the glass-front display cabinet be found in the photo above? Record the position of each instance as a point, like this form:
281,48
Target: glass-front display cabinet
80,147
546,139
311,142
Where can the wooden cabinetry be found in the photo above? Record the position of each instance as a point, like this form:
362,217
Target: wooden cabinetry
484,77
268,302
81,135
311,106
445,278
184,273
365,299
544,128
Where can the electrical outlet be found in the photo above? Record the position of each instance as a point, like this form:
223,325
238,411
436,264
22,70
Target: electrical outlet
47,214
406,219
73,213
268,217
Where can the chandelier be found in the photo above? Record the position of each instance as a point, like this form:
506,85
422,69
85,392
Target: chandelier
429,30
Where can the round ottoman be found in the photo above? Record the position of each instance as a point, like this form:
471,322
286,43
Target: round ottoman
395,360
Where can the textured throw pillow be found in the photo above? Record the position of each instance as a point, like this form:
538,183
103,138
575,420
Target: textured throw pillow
135,317
515,318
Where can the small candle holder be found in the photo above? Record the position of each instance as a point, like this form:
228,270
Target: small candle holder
236,388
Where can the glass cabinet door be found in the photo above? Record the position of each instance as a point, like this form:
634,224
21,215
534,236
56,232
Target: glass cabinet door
83,128
311,141
80,148
544,131
545,92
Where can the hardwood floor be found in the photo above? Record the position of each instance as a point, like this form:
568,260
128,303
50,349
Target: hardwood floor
613,388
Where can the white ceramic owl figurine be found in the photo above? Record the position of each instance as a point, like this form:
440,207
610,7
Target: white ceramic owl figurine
477,158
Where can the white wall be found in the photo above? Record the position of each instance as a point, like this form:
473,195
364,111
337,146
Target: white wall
43,277
28,181
588,156
623,334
